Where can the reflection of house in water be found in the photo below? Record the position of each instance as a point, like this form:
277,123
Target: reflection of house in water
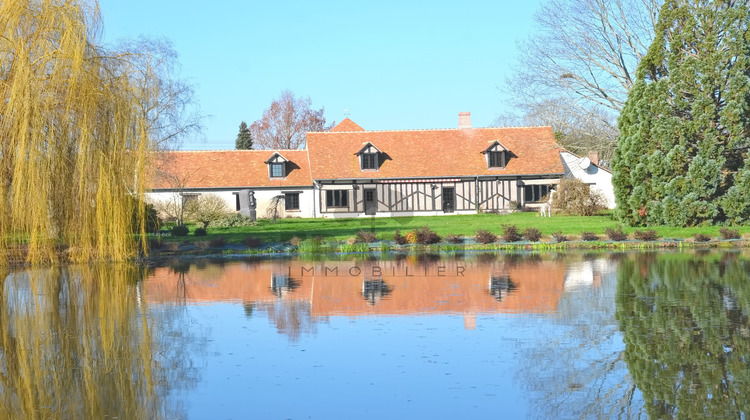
587,273
361,288
374,290
500,286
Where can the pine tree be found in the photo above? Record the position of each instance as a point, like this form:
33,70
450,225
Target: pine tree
244,138
682,156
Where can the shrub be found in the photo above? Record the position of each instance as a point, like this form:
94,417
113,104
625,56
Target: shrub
646,235
399,238
575,197
199,232
699,237
532,234
180,230
234,220
559,237
485,237
515,206
252,242
206,209
616,235
295,241
366,236
217,242
510,233
727,233
454,239
423,235
589,236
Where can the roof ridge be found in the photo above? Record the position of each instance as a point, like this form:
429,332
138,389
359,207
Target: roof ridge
431,129
234,150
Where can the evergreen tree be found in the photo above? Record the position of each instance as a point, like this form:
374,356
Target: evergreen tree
682,156
244,138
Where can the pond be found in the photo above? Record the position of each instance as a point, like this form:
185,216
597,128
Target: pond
468,335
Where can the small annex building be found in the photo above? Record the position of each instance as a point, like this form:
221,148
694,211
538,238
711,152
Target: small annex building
352,172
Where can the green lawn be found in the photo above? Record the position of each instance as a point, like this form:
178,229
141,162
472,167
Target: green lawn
385,227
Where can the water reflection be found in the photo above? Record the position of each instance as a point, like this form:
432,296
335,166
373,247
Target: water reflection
685,324
297,295
76,343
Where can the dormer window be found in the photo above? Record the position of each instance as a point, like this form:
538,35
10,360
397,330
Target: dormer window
496,159
369,161
277,166
369,157
497,155
277,170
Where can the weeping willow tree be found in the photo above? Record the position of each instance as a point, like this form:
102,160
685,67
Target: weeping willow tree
75,136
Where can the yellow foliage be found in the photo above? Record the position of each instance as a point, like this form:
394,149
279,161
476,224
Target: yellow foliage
74,139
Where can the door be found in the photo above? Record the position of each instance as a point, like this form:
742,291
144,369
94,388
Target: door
449,199
371,201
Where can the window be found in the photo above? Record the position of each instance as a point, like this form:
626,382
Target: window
337,198
534,193
277,170
369,161
291,201
496,159
237,201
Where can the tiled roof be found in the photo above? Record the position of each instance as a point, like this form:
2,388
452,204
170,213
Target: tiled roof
434,153
229,169
347,125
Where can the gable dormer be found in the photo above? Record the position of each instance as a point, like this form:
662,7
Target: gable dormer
277,166
369,157
497,155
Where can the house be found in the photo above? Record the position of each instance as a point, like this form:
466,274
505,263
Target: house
352,172
231,173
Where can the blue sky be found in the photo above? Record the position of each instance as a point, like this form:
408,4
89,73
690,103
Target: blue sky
392,64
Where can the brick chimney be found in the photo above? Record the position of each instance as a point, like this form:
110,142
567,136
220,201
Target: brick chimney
594,158
464,120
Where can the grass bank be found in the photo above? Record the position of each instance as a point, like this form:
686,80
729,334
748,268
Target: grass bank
343,230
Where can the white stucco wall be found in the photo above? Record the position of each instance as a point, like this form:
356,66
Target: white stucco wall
262,196
598,178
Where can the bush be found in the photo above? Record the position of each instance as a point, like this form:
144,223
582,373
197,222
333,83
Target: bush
559,237
199,232
234,220
510,233
727,233
515,206
646,235
252,242
423,235
454,239
485,237
366,236
180,230
616,235
295,241
218,241
699,237
411,237
532,234
575,197
589,236
399,238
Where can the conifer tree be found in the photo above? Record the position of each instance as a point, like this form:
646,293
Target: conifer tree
682,155
244,138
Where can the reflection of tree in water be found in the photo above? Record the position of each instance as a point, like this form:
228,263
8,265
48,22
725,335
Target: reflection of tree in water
79,343
501,286
685,324
577,370
291,317
375,289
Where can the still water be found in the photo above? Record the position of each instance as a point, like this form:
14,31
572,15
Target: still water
641,335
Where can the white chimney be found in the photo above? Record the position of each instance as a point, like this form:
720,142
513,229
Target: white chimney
464,120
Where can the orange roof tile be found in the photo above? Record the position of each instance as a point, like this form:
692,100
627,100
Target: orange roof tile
347,125
228,169
434,153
